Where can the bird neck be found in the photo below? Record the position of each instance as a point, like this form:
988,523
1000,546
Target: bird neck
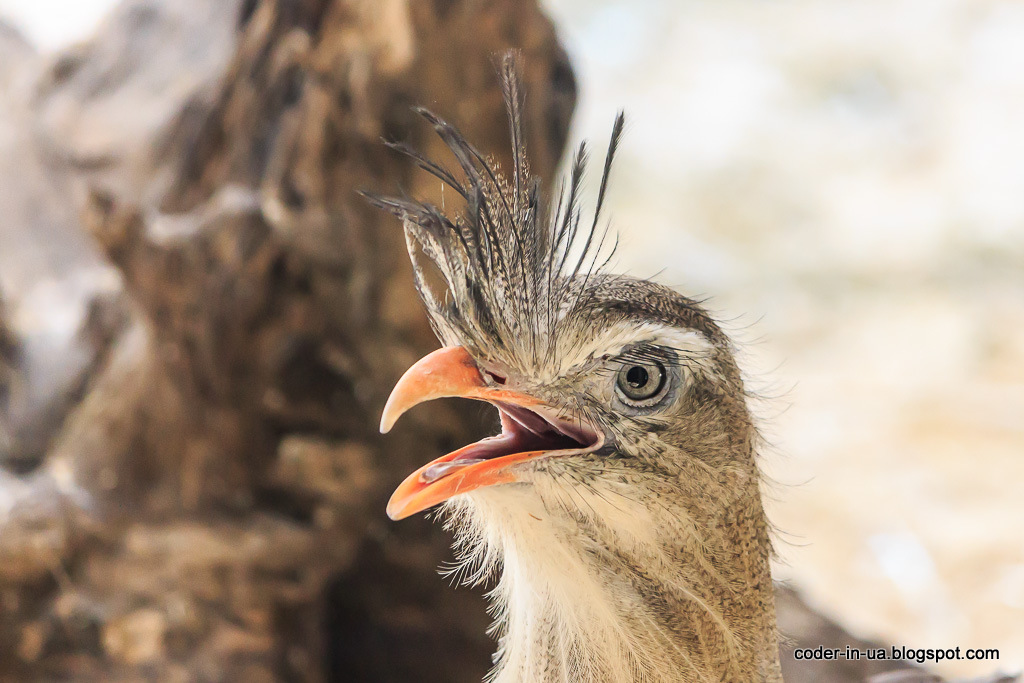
627,588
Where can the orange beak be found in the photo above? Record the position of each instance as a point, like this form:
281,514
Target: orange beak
529,430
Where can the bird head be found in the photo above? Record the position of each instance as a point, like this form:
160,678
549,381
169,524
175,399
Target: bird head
597,378
636,390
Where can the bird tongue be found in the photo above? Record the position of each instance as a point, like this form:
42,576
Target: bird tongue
522,430
443,469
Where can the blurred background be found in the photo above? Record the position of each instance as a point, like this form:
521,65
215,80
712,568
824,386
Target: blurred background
843,181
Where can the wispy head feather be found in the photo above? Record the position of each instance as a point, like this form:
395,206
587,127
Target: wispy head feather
514,266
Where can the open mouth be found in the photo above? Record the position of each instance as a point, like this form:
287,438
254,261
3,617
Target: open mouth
530,430
522,431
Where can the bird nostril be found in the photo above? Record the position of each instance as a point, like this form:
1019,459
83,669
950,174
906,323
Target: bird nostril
497,378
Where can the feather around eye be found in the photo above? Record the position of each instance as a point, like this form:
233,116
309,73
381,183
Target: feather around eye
651,353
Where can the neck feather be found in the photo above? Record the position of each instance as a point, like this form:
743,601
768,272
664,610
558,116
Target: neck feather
609,587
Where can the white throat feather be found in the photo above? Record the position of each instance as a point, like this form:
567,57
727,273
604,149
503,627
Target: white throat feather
562,612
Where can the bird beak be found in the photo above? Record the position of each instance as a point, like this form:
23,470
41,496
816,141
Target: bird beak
530,429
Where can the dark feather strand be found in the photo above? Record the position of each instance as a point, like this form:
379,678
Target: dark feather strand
504,258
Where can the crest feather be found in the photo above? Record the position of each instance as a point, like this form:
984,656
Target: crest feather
512,267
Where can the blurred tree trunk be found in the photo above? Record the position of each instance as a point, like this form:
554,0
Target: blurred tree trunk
202,497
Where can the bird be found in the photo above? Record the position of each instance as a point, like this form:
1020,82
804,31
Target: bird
618,512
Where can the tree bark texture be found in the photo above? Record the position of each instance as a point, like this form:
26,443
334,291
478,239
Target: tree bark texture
199,493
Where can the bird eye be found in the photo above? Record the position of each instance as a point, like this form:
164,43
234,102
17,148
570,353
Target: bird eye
638,382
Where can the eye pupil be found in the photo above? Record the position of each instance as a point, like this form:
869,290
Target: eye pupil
637,377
